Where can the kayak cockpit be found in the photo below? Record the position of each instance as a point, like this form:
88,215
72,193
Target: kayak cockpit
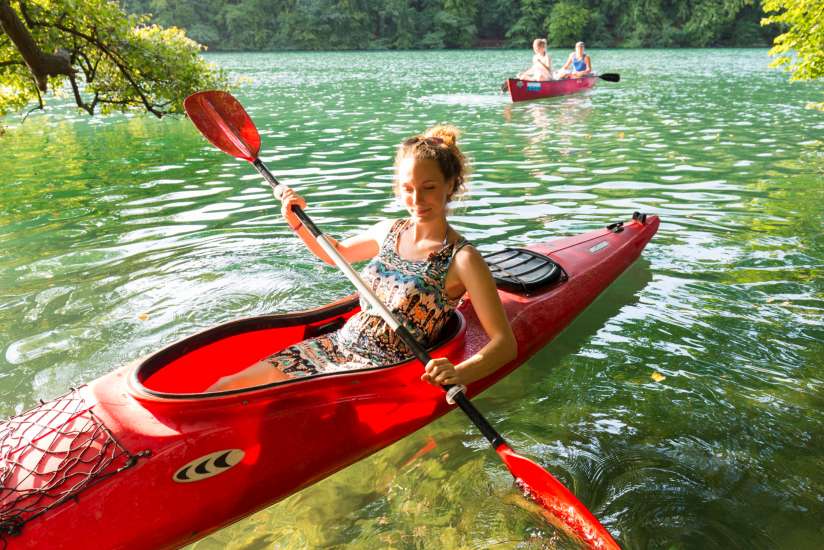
189,366
192,364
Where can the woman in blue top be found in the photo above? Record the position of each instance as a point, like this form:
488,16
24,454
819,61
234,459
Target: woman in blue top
577,64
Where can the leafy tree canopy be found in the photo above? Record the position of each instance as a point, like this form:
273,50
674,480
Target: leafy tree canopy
238,25
104,58
800,49
567,22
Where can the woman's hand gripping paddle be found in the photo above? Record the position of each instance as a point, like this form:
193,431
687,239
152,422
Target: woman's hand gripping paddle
222,120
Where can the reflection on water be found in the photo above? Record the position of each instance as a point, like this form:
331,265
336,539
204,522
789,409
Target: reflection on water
550,130
121,234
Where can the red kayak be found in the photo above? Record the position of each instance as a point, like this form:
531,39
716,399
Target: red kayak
143,458
524,90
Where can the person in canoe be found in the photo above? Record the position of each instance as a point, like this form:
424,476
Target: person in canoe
541,68
578,63
419,267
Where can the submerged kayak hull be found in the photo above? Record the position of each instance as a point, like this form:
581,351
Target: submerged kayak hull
185,463
525,90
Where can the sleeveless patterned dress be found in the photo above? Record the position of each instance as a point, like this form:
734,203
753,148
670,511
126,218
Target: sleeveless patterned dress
413,290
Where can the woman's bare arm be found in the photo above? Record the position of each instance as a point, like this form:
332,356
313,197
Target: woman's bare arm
502,347
363,246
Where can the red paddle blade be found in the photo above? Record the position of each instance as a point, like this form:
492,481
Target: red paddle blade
564,510
222,120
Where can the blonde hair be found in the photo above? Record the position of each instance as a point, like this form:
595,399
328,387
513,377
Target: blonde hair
438,143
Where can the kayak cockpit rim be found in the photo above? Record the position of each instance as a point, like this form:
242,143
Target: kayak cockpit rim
209,350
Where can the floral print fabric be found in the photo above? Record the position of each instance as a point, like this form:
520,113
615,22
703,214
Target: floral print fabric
413,290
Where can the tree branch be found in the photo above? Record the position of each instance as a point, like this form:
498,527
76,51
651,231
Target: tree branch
24,11
115,58
40,105
41,65
78,98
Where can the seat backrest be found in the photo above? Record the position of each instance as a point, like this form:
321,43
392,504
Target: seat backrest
523,271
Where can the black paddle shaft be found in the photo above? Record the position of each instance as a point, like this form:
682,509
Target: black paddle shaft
417,349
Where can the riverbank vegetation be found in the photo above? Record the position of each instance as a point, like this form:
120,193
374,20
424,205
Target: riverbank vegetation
232,25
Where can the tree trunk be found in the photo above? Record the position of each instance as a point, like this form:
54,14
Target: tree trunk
41,65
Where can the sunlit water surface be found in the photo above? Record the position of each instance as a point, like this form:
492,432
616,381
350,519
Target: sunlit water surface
121,234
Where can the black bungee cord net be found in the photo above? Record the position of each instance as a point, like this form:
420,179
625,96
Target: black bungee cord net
49,455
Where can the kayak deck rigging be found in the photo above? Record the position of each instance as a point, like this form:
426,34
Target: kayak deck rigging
50,454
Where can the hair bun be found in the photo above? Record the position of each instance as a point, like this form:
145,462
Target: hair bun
449,134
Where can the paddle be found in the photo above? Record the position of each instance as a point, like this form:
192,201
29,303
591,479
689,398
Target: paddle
223,121
610,77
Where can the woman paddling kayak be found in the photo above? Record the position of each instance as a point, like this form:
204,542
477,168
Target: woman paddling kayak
420,268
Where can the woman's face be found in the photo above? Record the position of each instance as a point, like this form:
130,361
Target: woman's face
540,48
579,49
423,189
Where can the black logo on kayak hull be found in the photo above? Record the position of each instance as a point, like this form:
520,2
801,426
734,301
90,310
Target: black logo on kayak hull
208,465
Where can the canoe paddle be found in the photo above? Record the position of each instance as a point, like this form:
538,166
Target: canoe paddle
223,121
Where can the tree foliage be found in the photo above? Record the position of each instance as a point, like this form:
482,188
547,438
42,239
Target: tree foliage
237,25
531,22
92,50
567,22
800,48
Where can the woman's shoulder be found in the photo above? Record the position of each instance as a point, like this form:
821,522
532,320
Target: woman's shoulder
383,225
471,268
466,256
381,229
389,223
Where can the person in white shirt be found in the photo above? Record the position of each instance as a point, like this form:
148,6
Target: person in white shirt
541,68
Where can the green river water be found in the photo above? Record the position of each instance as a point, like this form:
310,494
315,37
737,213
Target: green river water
121,234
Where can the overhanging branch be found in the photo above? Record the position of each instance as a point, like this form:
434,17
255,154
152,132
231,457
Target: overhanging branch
41,65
